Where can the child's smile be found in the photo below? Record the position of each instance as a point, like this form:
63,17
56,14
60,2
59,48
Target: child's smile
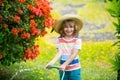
69,31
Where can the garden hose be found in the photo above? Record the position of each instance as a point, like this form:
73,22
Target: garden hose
57,67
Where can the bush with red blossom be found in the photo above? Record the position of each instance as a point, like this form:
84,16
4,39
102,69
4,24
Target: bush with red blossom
21,22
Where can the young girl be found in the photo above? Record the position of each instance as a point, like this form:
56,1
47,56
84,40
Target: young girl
68,45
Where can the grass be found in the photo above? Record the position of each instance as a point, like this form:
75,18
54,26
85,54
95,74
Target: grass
93,56
95,61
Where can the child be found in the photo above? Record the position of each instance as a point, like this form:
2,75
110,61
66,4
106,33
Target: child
68,45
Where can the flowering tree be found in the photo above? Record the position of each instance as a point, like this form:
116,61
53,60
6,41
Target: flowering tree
21,22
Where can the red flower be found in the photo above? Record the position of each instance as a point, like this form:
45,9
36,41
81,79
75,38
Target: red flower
30,7
22,1
25,35
1,3
33,23
20,11
28,50
4,25
35,10
45,6
10,18
44,33
47,22
35,31
28,53
31,55
14,31
0,17
19,29
1,56
17,19
36,47
32,16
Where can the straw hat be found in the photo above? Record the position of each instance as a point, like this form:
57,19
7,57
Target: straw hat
76,18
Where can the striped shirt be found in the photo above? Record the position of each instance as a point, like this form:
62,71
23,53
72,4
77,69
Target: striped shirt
66,47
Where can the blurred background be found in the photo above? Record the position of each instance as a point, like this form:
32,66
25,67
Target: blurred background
97,36
97,21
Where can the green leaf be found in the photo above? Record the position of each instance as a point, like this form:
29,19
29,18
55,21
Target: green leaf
1,37
118,42
115,24
115,62
112,12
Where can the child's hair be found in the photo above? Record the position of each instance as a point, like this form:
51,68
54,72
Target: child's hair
70,23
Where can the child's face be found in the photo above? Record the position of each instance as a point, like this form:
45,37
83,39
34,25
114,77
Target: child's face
68,30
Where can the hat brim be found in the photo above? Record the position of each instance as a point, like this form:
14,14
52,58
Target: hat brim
76,18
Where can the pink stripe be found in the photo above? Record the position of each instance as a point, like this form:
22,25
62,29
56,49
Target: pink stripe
73,66
63,41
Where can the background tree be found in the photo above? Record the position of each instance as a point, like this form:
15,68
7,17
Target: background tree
114,10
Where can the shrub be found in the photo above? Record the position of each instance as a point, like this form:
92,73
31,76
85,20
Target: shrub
21,22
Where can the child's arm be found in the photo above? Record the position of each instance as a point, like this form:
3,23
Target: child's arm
74,54
57,56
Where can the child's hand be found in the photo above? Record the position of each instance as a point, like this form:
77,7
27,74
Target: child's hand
49,64
62,67
47,67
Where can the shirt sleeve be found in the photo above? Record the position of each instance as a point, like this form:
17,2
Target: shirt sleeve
57,43
78,44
